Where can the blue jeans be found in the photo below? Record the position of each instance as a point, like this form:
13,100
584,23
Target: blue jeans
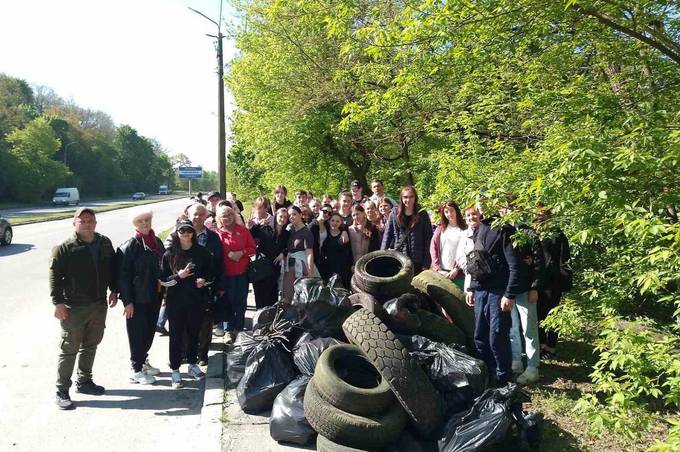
492,334
524,315
233,302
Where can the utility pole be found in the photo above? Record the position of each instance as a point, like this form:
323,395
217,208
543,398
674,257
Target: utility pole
221,134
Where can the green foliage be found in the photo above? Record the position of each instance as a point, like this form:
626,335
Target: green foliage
31,171
573,104
91,153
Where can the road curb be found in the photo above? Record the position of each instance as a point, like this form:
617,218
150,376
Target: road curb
213,398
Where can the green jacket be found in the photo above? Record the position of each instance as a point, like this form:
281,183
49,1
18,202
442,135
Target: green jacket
75,277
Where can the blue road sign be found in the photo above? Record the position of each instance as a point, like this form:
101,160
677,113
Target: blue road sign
190,172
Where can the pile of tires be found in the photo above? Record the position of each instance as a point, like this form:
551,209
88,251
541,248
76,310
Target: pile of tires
350,404
409,383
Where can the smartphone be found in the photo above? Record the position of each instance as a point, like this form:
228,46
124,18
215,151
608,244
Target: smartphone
191,266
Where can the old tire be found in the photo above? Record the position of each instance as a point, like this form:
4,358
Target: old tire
449,296
324,444
367,301
438,329
353,285
407,380
384,274
346,379
369,432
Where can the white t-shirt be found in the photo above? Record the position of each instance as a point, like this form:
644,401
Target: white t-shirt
464,247
448,246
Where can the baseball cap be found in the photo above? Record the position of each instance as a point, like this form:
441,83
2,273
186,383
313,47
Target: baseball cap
184,224
355,184
214,193
82,210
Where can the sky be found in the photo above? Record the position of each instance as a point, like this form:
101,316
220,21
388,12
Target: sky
146,63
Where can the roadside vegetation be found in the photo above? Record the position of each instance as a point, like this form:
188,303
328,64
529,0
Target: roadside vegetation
570,103
47,142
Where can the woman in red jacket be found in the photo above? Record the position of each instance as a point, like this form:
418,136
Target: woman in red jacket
237,246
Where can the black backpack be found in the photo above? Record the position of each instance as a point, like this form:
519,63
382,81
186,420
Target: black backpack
481,266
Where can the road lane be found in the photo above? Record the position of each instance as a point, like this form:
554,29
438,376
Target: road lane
93,203
129,416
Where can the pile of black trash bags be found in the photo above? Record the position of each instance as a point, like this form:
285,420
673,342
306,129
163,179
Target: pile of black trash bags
272,365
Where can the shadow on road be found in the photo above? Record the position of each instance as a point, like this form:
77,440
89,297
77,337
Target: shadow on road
164,401
15,248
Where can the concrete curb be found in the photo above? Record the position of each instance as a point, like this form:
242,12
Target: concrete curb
213,398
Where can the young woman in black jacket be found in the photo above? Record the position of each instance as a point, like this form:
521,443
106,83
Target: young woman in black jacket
335,253
261,226
409,230
185,270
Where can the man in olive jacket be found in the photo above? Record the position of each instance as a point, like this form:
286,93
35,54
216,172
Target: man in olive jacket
82,267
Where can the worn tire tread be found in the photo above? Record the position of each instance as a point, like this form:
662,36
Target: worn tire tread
408,381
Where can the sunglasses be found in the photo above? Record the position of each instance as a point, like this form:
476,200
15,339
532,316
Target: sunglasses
186,231
327,212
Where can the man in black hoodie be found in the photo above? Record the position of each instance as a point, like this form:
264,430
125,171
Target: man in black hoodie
493,297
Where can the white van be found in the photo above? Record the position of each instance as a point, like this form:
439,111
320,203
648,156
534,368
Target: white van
66,196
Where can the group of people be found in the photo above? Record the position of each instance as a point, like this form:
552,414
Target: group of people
198,279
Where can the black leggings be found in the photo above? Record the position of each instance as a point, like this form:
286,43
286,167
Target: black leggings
141,329
184,317
546,303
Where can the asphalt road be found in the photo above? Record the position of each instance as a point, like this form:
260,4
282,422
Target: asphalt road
93,203
127,417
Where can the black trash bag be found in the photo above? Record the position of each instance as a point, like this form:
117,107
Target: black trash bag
528,426
403,314
237,357
409,443
485,424
266,315
287,421
322,308
269,369
307,354
458,377
304,337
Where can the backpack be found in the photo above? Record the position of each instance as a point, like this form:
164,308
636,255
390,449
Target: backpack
481,266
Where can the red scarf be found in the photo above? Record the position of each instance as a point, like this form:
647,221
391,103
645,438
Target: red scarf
150,241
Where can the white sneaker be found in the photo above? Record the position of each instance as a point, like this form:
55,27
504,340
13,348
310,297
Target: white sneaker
149,369
176,379
142,378
517,367
196,372
529,376
218,331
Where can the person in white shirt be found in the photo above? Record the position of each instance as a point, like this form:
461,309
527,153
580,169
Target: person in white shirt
473,218
445,242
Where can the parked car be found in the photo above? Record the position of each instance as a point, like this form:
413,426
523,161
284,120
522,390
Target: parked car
139,196
66,196
6,233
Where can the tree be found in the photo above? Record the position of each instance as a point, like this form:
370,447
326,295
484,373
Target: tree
33,175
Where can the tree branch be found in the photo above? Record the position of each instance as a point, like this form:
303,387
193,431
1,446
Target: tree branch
611,23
